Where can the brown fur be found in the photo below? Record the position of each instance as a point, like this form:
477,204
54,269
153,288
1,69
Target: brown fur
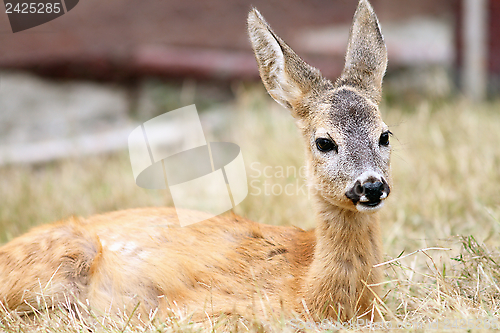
227,264
118,259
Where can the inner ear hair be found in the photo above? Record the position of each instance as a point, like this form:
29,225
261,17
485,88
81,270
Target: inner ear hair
285,75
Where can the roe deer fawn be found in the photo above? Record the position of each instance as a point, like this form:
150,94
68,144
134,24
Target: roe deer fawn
142,259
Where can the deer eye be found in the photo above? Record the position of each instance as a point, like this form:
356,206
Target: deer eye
384,138
326,145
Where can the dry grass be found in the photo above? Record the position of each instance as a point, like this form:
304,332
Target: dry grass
446,174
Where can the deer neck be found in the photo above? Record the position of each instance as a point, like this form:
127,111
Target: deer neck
342,233
347,247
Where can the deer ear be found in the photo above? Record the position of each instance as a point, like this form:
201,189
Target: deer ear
285,75
366,56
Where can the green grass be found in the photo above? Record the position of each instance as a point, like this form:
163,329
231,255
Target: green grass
446,196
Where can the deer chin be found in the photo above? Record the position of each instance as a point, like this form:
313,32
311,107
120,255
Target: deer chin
369,207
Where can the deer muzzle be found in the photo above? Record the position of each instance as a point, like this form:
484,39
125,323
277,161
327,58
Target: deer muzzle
368,193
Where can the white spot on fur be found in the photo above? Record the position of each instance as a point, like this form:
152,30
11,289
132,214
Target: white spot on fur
128,248
115,247
143,255
125,248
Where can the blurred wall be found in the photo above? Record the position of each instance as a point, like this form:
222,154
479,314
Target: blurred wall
121,39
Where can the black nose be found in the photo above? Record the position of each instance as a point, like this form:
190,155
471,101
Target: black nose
372,190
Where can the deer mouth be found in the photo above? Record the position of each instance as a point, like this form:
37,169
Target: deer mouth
369,206
371,203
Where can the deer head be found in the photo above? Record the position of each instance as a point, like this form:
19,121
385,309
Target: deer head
348,149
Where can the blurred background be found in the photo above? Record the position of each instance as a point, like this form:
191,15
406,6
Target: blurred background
72,89
89,73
